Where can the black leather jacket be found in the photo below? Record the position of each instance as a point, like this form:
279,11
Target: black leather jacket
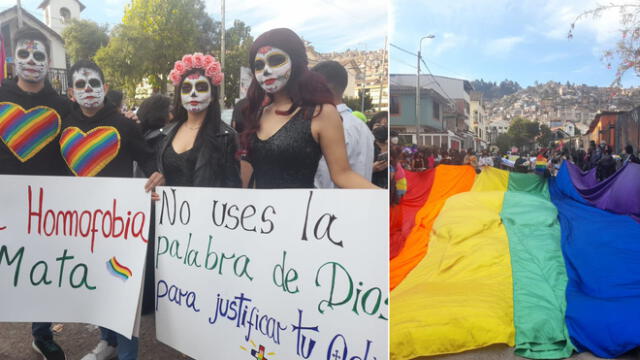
212,169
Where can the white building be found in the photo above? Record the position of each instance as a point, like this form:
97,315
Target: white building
58,13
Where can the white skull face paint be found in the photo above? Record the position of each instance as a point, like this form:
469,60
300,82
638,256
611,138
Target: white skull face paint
88,89
196,93
272,68
32,62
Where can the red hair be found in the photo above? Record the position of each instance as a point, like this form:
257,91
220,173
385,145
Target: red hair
306,88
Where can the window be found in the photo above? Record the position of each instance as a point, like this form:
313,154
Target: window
394,108
436,111
65,14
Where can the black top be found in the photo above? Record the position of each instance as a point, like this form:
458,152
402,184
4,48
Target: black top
47,160
214,157
178,168
288,159
379,178
132,145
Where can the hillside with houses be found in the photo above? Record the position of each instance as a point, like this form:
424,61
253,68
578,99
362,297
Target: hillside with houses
554,103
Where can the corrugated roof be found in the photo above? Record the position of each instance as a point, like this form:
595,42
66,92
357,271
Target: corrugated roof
449,87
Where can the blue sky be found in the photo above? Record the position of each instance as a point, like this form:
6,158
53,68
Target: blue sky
521,40
330,25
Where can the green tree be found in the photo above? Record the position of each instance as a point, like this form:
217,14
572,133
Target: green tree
238,42
504,142
355,103
153,35
546,136
83,38
120,59
523,131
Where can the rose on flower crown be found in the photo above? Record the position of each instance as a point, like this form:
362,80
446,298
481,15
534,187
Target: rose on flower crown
209,65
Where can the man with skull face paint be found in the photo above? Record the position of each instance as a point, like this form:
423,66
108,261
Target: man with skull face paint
29,102
285,139
117,143
94,114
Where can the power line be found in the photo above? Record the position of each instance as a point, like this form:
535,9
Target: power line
405,63
403,50
436,81
452,103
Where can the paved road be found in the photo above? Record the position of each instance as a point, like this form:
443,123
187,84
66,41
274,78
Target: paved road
77,340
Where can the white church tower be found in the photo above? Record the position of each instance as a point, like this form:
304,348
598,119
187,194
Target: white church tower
58,13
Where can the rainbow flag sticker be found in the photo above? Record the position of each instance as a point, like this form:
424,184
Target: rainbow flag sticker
118,270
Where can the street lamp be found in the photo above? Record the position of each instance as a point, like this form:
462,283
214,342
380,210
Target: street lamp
418,88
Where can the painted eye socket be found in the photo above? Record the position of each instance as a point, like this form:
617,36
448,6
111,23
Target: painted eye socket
259,65
94,83
39,56
186,88
23,54
276,60
202,86
80,84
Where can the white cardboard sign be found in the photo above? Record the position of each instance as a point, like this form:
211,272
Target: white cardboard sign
72,249
272,274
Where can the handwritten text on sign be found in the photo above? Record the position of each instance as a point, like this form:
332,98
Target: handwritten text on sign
72,249
272,274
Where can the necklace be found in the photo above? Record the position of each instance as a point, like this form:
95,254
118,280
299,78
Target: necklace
192,128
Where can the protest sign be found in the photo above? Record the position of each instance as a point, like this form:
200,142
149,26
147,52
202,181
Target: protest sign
72,249
272,274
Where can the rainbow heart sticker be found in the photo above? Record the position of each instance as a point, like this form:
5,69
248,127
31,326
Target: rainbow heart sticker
87,154
26,132
118,270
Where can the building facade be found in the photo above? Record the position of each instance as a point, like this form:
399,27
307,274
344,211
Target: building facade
456,114
477,123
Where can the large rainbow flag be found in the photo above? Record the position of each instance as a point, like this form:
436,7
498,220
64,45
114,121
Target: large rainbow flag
548,266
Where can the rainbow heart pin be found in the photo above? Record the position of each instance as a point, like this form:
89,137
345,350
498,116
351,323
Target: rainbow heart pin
24,132
86,154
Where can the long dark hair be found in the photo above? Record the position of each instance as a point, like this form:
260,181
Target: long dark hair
210,126
306,88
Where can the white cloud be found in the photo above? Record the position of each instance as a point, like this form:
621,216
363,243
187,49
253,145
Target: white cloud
503,46
557,16
327,24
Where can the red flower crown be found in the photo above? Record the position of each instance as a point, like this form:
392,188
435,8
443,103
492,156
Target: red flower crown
207,63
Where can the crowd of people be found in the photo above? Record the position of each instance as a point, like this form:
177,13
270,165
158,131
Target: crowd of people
292,131
544,162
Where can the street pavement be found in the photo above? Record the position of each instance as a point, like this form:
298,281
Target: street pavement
79,339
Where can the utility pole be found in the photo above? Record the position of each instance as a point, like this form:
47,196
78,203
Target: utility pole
222,51
382,74
364,87
418,88
19,8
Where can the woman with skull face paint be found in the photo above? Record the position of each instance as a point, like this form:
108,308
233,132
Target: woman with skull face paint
199,149
285,139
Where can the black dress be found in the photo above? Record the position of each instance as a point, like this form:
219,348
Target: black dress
288,159
178,168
